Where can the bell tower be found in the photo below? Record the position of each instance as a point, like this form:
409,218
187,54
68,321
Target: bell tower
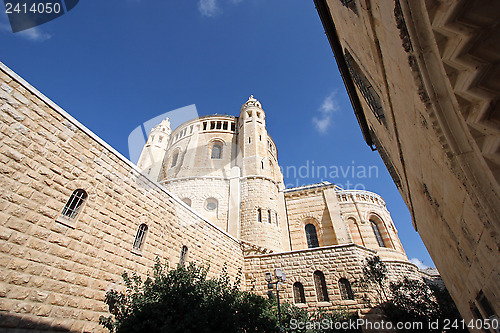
150,161
261,180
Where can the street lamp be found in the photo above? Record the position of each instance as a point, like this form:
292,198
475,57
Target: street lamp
280,277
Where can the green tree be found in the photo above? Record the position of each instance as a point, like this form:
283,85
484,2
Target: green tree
375,274
185,300
415,301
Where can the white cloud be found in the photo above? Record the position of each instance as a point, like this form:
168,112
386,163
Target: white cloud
419,263
34,34
208,7
211,8
323,122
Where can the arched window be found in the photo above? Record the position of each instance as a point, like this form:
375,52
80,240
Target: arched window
216,151
174,158
187,201
378,236
354,230
211,204
311,236
259,215
269,216
298,293
320,284
74,204
140,237
184,252
345,289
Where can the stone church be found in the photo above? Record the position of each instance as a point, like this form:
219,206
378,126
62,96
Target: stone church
75,214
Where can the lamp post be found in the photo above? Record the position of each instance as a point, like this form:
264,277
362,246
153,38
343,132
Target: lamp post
279,277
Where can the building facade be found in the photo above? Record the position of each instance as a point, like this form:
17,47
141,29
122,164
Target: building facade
422,77
76,214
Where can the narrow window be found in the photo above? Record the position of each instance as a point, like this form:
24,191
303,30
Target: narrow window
311,236
485,305
378,236
219,125
475,311
351,4
233,127
191,129
216,151
298,293
260,137
262,164
259,215
224,126
249,140
184,252
204,126
345,289
140,237
174,159
320,284
269,216
74,204
212,125
276,218
365,87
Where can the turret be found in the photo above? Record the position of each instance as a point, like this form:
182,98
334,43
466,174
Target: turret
150,161
261,180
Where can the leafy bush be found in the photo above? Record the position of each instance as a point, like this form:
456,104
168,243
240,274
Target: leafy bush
185,300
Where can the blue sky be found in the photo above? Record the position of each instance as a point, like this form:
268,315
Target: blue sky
115,64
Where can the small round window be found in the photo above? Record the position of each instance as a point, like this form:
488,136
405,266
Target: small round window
211,204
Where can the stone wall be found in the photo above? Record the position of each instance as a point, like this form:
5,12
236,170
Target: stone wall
423,72
335,262
198,190
55,276
260,193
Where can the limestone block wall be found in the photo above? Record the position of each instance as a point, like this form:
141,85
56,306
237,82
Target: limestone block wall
199,191
193,142
259,193
309,207
335,262
431,66
361,207
55,276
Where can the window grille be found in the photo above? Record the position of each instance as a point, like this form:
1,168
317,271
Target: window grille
298,293
74,204
140,237
345,289
366,88
378,236
320,283
311,236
